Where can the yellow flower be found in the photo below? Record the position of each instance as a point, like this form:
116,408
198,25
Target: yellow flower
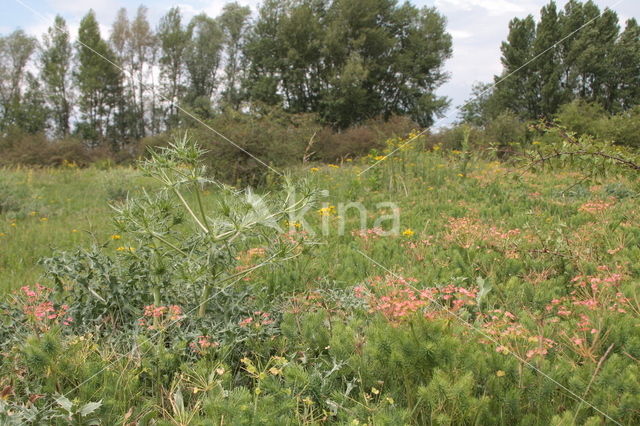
32,213
333,166
408,232
314,169
115,237
375,391
430,188
536,143
275,371
2,234
43,219
74,230
122,248
460,174
379,157
500,373
327,211
13,224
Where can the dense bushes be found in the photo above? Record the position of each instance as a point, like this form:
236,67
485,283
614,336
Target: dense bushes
591,119
251,143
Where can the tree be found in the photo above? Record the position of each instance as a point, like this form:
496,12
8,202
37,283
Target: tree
174,42
125,118
349,60
234,22
142,48
15,51
202,60
55,61
516,88
479,109
548,65
626,63
99,82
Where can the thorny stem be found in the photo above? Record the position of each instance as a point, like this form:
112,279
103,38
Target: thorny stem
204,216
186,206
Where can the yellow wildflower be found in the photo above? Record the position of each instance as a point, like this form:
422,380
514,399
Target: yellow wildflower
314,169
500,373
408,232
327,211
333,166
115,237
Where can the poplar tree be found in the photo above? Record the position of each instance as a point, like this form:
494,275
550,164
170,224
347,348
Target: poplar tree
99,83
174,41
15,51
55,62
234,22
202,59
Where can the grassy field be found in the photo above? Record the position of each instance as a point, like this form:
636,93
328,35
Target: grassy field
505,297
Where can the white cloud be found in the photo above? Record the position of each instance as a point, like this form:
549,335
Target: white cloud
493,7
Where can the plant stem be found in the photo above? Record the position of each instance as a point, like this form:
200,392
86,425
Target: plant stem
204,298
188,207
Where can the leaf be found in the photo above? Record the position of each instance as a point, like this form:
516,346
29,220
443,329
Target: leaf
65,403
484,288
90,408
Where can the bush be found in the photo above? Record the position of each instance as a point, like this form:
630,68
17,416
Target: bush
36,150
591,119
359,140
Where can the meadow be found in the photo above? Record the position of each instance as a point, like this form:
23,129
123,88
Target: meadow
507,295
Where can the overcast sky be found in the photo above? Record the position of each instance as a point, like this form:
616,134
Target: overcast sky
477,26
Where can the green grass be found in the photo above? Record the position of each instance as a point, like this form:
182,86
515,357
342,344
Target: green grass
55,209
529,237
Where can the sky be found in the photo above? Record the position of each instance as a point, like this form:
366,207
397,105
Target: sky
477,27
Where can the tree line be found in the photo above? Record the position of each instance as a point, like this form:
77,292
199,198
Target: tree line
344,60
577,53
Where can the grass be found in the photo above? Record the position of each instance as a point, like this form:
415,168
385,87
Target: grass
538,268
55,209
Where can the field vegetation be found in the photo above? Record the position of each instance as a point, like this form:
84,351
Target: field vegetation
507,296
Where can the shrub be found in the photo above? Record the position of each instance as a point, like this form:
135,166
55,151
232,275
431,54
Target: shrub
36,150
359,140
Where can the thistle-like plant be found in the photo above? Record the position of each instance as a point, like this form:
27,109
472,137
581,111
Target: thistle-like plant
195,227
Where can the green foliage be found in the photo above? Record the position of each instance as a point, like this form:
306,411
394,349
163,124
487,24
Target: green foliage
348,61
593,63
508,297
99,83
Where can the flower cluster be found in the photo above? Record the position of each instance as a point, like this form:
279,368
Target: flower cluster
596,206
468,232
160,317
327,211
40,310
257,320
503,326
369,234
202,344
397,298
